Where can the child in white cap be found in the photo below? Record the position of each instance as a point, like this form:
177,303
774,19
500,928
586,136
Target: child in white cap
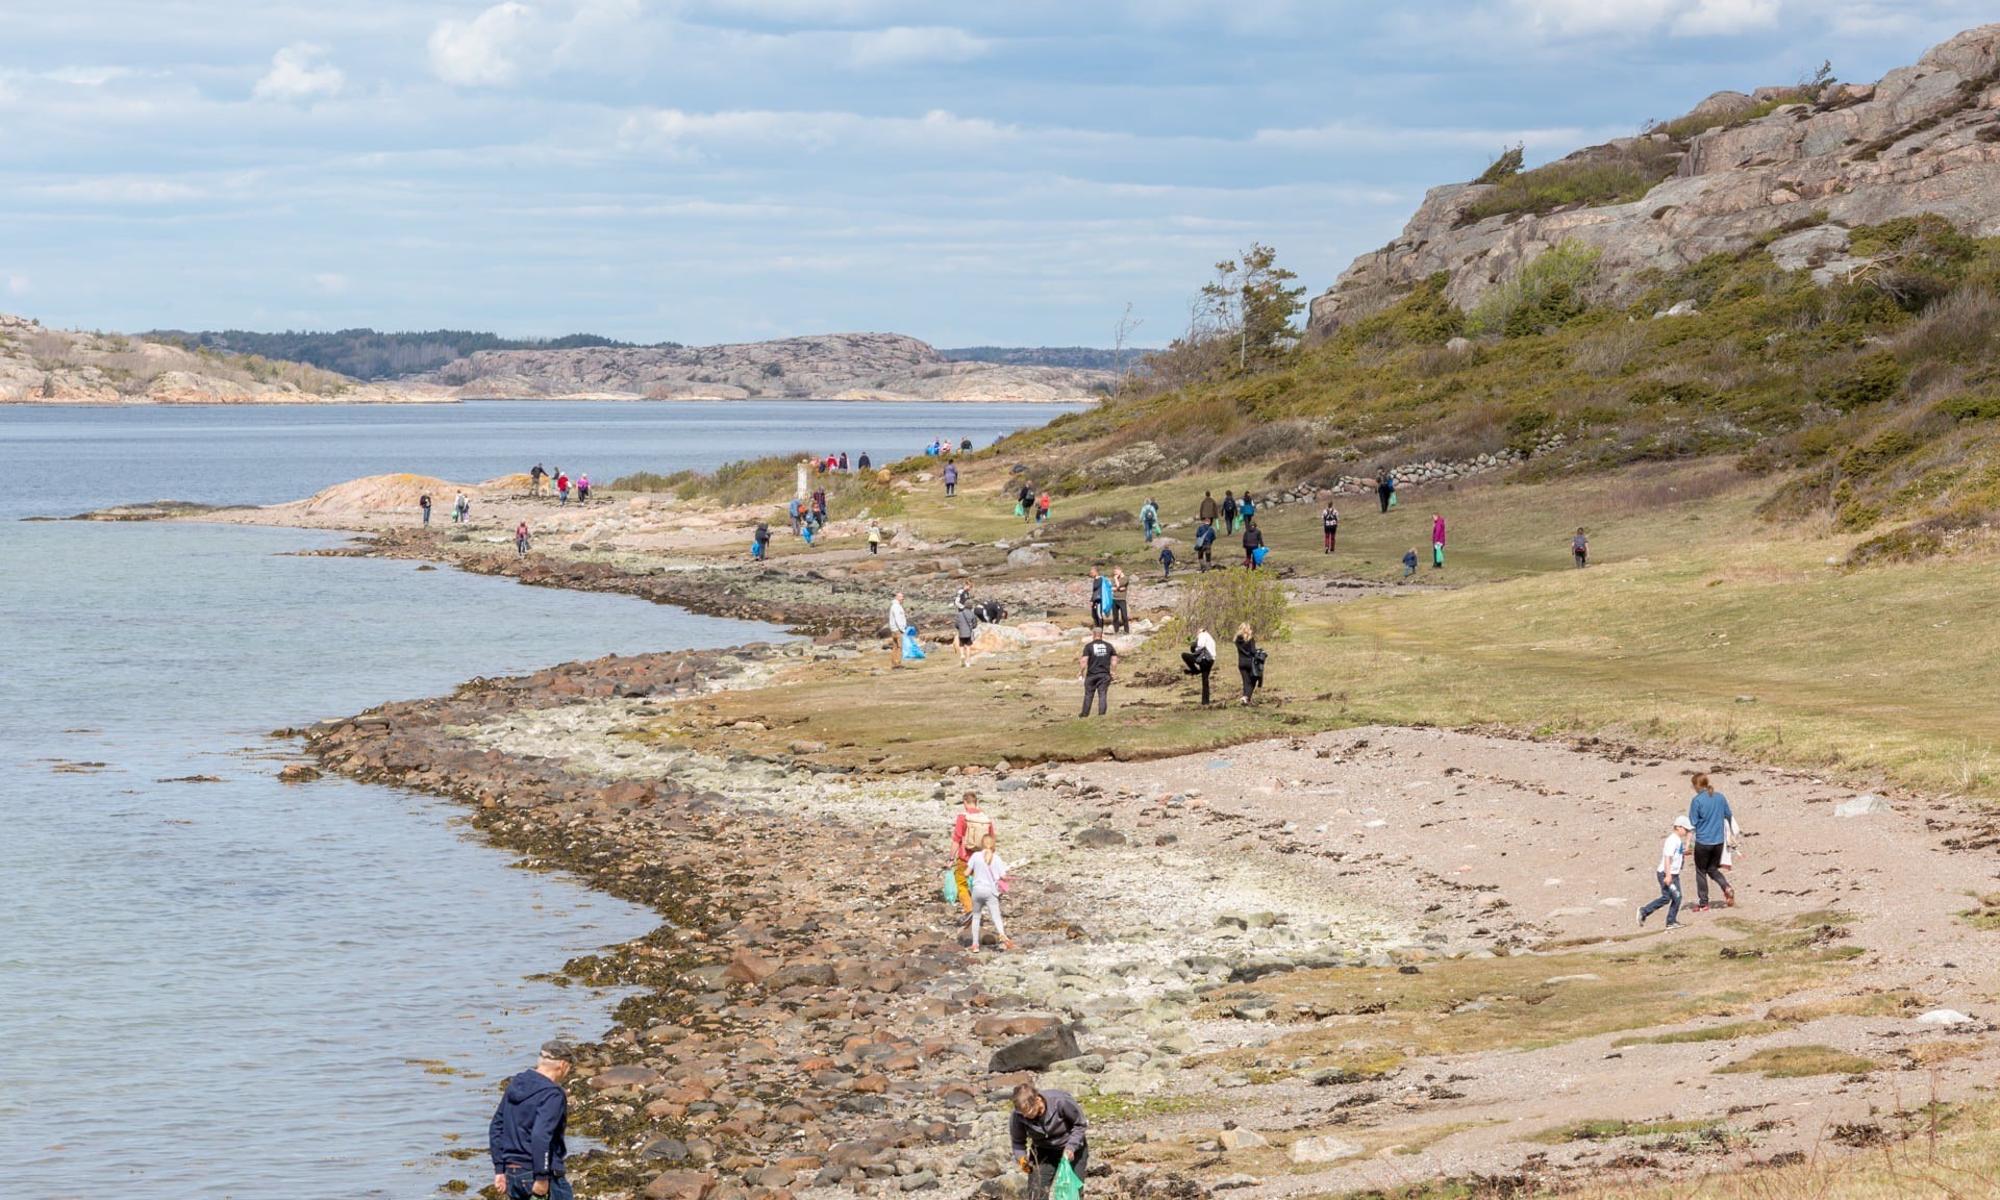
1673,853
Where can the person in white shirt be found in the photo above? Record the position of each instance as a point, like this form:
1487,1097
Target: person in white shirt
1200,659
898,622
1673,854
986,869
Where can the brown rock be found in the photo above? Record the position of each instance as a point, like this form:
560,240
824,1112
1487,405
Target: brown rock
996,1027
679,1185
746,967
624,1077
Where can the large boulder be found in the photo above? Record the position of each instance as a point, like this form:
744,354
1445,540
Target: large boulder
1032,555
1037,1051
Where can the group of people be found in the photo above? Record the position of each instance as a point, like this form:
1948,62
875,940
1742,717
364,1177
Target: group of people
1031,505
461,508
944,447
1110,600
561,481
837,463
1199,659
1708,833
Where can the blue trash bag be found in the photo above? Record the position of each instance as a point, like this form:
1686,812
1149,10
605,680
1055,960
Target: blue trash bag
911,651
1257,555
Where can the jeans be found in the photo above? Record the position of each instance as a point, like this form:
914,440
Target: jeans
521,1185
1121,617
987,904
1100,687
1670,899
1250,680
1707,865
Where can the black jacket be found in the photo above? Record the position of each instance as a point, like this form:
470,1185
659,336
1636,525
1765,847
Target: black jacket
1247,657
1060,1127
1253,537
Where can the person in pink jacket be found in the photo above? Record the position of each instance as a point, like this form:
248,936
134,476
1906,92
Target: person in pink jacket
1437,541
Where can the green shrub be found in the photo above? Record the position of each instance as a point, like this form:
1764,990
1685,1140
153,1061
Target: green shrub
1504,167
1872,379
1607,177
1548,292
1219,601
647,481
1972,406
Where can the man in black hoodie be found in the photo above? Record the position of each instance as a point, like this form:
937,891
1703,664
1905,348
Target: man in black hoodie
526,1137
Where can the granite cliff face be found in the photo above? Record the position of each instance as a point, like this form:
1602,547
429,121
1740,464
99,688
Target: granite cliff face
61,366
1925,139
843,366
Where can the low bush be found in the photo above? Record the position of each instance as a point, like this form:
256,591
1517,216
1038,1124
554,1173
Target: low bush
1607,177
1548,292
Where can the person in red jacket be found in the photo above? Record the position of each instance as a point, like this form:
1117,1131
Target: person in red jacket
968,826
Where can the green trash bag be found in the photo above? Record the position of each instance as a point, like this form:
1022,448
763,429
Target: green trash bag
1020,510
1067,1186
950,886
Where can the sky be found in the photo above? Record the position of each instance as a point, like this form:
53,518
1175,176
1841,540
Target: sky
1014,172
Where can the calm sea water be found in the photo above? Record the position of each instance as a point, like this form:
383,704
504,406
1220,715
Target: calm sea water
243,989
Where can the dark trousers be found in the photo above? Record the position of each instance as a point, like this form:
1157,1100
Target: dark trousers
1582,557
1202,557
1121,617
951,489
1097,616
1046,1159
1707,865
521,1185
1100,687
1330,533
1670,899
1383,495
1250,680
1197,665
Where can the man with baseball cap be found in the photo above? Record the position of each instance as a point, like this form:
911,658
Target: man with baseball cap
1673,854
526,1137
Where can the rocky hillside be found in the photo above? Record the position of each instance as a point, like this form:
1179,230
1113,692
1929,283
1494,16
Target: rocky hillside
844,366
60,366
1801,164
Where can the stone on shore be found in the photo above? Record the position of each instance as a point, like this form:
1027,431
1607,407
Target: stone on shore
1037,1051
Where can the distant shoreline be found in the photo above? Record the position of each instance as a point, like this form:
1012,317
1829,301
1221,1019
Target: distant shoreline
592,399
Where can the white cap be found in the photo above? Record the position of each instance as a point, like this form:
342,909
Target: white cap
1683,823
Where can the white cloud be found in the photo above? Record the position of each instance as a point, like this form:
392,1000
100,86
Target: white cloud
330,282
122,190
673,127
1631,18
487,50
17,285
900,45
1717,18
299,72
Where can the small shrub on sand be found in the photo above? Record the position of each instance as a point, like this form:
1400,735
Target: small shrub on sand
1795,1062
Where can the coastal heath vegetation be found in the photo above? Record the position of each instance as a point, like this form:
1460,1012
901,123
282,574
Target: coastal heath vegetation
1218,601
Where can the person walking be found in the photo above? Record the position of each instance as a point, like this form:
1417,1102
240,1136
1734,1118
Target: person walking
1673,854
874,537
424,502
525,1137
862,462
970,827
760,541
1437,541
899,622
1385,488
562,488
1166,561
1204,545
819,504
1329,526
1247,508
951,479
1249,660
1710,816
1410,562
986,870
1121,596
1024,502
1098,659
1200,659
459,508
967,622
1209,509
1229,507
843,462
521,540
535,477
1149,520
1042,507
1099,609
1047,1129
1253,545
1579,548
583,489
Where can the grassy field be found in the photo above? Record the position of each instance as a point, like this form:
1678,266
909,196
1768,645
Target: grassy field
1697,625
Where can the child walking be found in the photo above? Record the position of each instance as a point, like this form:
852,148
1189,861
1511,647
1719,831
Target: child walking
1673,855
986,870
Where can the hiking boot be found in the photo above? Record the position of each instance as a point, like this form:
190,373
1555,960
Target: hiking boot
1729,899
1642,915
